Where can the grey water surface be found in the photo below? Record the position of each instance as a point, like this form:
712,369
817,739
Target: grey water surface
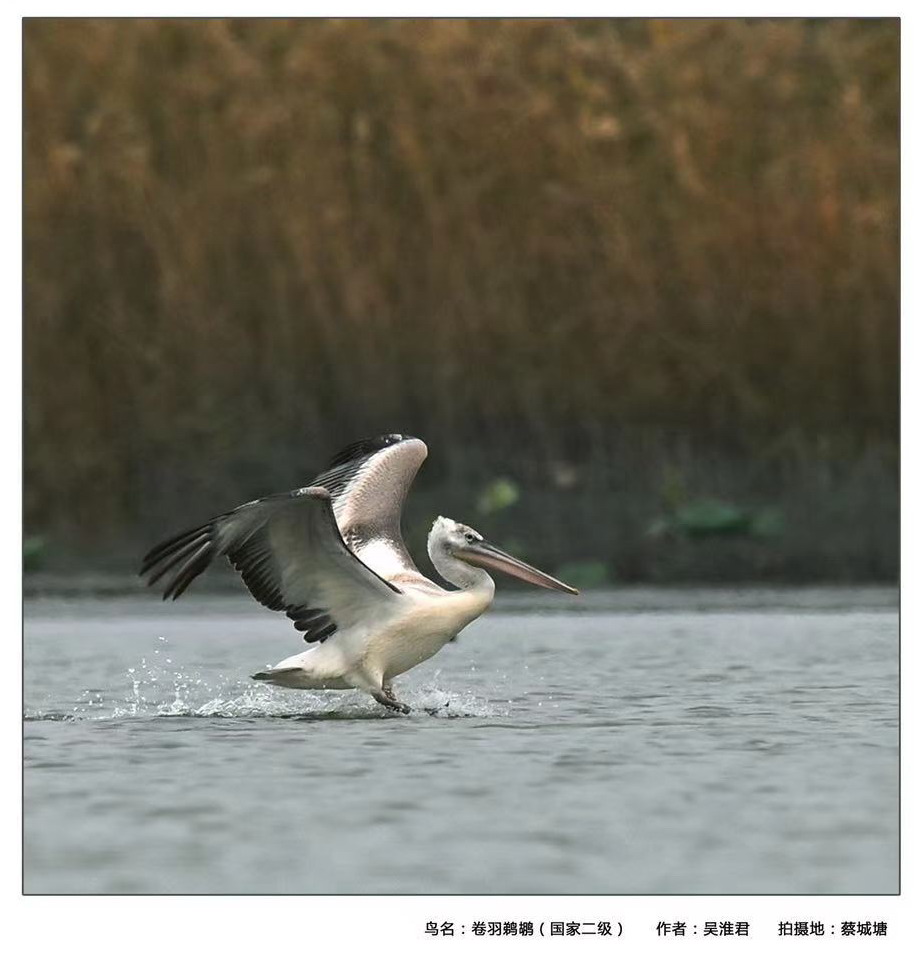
633,741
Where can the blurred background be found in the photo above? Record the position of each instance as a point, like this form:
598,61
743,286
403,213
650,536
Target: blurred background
635,282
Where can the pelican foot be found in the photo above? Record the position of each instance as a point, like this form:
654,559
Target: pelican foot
388,701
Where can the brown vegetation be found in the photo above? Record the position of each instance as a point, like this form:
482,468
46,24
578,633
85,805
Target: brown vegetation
534,243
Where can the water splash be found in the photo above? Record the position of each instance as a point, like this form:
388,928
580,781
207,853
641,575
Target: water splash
155,687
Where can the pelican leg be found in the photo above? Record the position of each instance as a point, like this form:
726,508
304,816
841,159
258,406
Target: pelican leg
385,697
374,684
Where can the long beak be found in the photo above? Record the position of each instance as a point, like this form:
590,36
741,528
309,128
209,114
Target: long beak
488,556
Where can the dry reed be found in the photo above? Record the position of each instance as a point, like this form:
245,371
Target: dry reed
535,241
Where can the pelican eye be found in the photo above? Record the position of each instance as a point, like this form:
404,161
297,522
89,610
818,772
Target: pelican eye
470,537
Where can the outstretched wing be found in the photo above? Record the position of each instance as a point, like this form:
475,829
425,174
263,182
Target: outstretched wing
291,556
368,482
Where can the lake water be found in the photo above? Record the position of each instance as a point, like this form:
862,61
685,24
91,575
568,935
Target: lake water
634,741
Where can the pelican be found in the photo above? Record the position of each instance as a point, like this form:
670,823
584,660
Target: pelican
331,556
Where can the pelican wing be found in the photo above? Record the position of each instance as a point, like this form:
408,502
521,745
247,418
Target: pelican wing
291,556
368,482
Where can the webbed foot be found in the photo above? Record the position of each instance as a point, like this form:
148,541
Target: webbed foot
385,697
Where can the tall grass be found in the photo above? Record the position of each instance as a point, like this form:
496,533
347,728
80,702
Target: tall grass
250,241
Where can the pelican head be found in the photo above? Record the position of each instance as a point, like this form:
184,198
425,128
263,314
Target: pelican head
461,542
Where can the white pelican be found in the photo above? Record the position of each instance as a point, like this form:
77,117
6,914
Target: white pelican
332,557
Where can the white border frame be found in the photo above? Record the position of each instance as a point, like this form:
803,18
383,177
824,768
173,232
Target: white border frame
236,925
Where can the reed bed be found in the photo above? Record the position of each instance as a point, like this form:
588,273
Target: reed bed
548,247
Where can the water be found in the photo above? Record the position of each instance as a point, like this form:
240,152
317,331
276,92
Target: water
647,742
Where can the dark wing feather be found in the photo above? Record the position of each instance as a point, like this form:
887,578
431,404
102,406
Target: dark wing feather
194,549
290,554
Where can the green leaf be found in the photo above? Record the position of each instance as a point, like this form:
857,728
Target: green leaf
33,553
673,490
499,494
585,574
768,523
711,517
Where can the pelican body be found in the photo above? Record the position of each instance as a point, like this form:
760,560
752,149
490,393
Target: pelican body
331,556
